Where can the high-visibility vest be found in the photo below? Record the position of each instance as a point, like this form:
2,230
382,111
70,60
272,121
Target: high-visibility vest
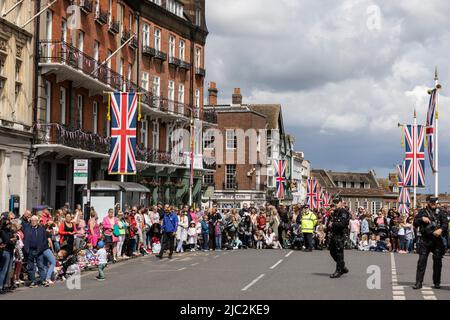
308,222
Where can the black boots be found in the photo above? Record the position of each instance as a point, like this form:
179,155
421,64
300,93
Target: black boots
339,272
417,286
437,285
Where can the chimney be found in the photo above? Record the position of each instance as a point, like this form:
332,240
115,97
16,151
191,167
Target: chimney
237,96
212,94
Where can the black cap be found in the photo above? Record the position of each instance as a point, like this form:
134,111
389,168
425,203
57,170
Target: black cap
432,199
337,199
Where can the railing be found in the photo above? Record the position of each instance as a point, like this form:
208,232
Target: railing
209,163
101,16
86,5
174,61
134,44
185,65
114,27
149,51
209,116
125,35
53,51
200,72
160,55
55,133
161,157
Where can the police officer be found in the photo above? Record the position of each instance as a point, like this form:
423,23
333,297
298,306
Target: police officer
309,221
433,225
338,225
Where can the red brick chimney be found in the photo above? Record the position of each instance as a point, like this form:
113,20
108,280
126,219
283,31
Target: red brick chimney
237,96
212,94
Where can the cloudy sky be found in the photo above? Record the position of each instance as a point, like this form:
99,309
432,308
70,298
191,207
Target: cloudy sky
346,72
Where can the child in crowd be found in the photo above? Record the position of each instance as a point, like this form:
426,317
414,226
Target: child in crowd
381,245
91,258
364,244
259,239
156,245
372,243
321,235
276,243
388,245
102,256
192,235
81,259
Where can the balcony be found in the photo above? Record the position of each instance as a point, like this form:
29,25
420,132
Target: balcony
209,116
209,163
160,55
113,27
125,36
134,44
86,6
159,157
200,72
174,61
185,65
65,138
101,17
148,51
164,108
69,63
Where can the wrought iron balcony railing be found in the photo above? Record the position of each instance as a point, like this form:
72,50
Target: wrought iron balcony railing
185,65
148,51
209,163
160,157
134,44
209,116
125,35
101,17
160,55
200,72
113,27
60,52
86,5
54,133
174,61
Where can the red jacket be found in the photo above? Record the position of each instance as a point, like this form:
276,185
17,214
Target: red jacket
64,233
261,220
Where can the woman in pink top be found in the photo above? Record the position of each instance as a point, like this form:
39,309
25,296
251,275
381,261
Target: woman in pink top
94,229
354,226
108,231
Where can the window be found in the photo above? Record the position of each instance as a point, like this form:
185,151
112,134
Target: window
146,35
48,101
144,80
198,140
96,50
144,133
158,2
258,175
130,22
64,30
197,99
376,205
270,182
230,176
366,186
352,185
182,50
181,93
108,70
62,104
208,179
156,86
258,141
121,17
171,94
231,139
81,41
95,117
198,17
158,39
208,139
155,135
171,46
110,11
80,111
198,54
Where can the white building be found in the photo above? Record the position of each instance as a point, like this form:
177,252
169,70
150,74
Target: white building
301,170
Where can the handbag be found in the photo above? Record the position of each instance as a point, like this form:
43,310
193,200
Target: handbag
116,230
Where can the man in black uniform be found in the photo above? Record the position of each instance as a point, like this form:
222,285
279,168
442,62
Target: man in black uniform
433,224
338,225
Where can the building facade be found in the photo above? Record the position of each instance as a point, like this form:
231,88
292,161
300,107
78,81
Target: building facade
356,189
300,175
87,49
16,101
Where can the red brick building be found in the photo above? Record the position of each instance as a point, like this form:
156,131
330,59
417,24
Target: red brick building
79,60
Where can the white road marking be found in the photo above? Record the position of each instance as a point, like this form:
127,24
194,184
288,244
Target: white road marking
430,297
275,265
427,293
398,292
181,269
288,254
194,264
253,282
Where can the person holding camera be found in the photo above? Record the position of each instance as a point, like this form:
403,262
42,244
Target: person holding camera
433,225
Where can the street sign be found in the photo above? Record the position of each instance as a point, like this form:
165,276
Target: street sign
80,171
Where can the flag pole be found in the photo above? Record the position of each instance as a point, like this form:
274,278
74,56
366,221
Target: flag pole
436,135
415,174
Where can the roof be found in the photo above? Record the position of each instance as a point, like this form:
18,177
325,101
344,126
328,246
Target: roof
272,112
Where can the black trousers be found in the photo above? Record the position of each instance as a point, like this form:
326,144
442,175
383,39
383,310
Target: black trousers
308,240
168,240
435,246
337,251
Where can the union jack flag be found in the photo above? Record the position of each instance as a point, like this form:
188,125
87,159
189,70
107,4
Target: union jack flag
430,128
123,133
404,199
311,193
319,199
326,198
415,156
280,177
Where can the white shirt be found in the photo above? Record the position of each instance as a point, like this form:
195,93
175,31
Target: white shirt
102,256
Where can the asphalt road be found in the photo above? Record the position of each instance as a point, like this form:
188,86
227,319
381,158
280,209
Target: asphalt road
252,274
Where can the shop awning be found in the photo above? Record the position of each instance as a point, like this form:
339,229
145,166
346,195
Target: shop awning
106,185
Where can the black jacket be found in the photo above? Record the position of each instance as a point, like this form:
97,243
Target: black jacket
340,219
438,219
6,235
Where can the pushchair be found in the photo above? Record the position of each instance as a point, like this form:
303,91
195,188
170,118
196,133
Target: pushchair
67,265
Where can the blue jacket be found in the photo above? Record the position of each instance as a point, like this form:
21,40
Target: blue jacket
170,222
205,226
364,226
41,238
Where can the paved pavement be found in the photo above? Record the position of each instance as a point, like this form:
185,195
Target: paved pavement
252,274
